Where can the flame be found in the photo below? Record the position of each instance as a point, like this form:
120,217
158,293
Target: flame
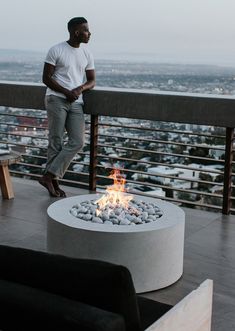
114,195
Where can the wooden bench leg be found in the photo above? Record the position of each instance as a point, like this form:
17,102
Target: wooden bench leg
6,184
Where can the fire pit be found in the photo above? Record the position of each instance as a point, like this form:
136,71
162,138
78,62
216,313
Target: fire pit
144,234
153,252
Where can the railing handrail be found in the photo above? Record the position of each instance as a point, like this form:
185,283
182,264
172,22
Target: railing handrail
191,108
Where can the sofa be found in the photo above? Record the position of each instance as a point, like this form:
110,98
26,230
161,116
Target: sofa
40,291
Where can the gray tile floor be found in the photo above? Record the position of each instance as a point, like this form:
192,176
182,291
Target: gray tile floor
209,246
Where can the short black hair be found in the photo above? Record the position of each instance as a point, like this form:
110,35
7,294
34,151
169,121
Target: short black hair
75,21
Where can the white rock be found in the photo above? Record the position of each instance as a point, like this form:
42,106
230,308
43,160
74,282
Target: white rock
114,220
93,209
128,216
133,218
159,213
87,217
97,220
80,215
138,220
74,212
144,216
83,210
152,217
150,211
124,221
112,214
104,216
117,211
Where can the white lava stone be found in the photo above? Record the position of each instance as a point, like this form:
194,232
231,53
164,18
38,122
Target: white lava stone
124,221
144,216
104,216
74,212
114,220
80,215
93,209
129,217
133,218
112,214
159,213
150,211
152,217
118,211
145,208
83,210
138,220
97,220
87,217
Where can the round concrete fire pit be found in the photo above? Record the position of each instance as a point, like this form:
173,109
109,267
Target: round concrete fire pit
153,252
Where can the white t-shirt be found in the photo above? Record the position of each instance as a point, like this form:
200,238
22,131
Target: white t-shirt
70,64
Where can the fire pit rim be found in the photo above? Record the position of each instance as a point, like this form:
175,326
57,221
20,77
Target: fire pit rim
60,212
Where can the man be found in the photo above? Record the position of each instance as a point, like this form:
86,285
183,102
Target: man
66,66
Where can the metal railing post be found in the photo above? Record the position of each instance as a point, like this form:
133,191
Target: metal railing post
227,191
93,152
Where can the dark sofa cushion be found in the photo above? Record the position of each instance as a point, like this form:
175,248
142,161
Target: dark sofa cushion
101,284
26,308
150,311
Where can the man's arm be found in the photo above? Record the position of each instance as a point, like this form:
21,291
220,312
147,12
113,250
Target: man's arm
47,79
89,84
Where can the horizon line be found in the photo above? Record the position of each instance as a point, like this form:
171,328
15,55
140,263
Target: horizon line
136,58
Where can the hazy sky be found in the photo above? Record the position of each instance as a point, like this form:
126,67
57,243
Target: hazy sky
164,30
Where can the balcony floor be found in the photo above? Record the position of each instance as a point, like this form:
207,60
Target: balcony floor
209,246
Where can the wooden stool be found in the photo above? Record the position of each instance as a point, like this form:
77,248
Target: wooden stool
5,178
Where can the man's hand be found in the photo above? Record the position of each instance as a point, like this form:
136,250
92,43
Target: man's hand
78,90
73,95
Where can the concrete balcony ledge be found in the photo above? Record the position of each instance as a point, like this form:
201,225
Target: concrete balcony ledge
139,104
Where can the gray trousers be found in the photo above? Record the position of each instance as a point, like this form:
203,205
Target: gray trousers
63,115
